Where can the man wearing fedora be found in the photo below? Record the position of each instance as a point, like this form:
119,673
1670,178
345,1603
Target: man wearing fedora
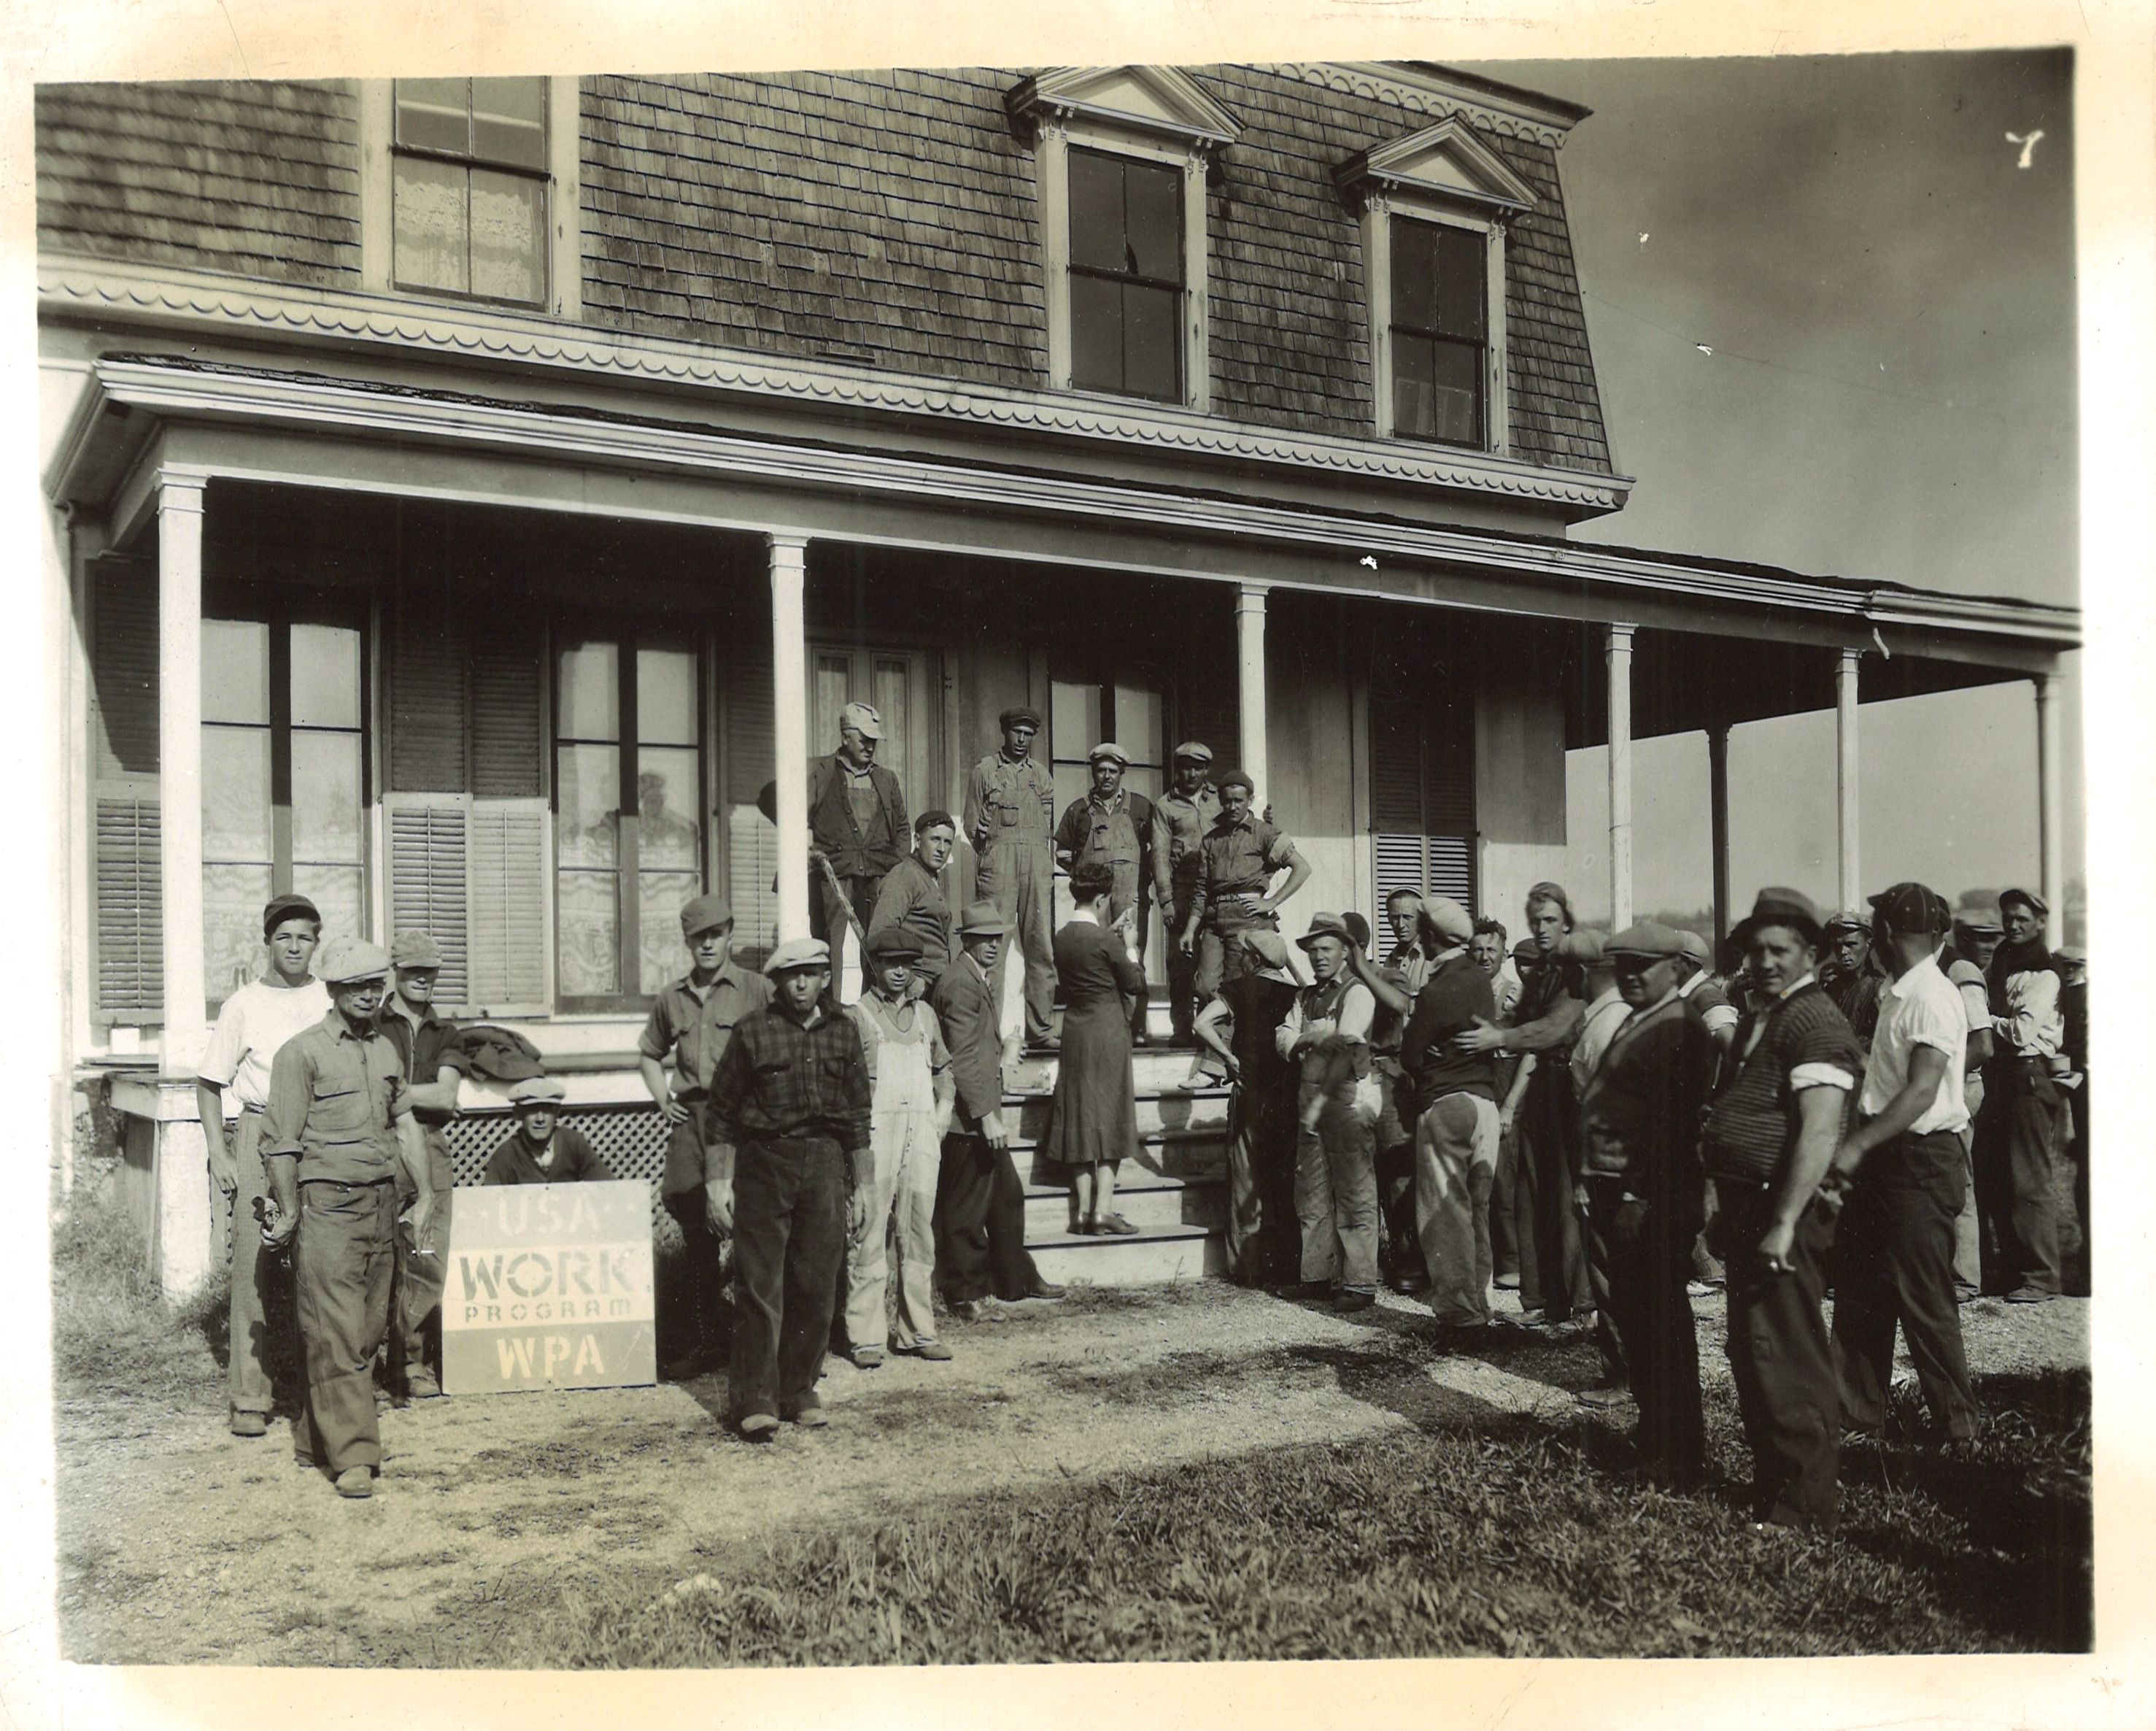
1327,1034
1113,826
856,821
980,1200
2017,1127
1010,819
790,1170
1180,819
1771,1135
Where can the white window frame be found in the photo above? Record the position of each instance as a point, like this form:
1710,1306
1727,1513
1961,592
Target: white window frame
377,213
1380,208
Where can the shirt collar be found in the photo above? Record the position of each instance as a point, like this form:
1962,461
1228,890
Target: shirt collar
1002,754
1693,984
1810,979
1453,954
1112,803
1084,916
336,1023
1907,984
845,763
1601,999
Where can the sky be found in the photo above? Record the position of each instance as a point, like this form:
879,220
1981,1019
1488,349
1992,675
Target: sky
1888,293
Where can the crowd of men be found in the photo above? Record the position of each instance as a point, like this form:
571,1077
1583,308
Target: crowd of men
1606,1124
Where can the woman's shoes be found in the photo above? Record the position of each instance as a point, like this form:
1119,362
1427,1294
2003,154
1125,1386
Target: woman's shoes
1114,1225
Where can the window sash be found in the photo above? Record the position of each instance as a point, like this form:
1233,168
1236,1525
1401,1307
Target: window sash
1116,322
459,180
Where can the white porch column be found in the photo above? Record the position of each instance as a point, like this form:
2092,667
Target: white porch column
1849,882
179,768
1250,686
2050,810
1620,776
789,685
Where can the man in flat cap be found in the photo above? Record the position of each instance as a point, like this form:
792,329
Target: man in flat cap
692,1022
1113,826
1771,1134
791,1170
541,1149
254,1023
1899,1177
1010,819
1239,858
1327,1034
1241,1024
434,1075
1851,975
911,1089
857,822
1640,1118
1180,819
335,1133
2019,1121
913,900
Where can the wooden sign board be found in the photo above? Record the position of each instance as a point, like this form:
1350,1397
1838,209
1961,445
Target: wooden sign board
548,1286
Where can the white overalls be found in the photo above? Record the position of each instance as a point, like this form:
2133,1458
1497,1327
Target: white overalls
907,1142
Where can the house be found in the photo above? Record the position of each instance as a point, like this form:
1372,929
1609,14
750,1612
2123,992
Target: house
468,494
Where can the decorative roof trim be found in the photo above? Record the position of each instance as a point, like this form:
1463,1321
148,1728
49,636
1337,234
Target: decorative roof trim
1420,92
1201,123
1388,168
107,290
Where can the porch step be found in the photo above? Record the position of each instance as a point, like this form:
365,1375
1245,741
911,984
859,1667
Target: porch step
1150,1259
1204,1110
1191,1154
1153,1070
1154,1204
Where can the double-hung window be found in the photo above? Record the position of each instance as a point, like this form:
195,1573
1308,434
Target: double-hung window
1126,276
470,187
1440,333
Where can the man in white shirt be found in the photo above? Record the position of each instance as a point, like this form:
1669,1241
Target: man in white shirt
1327,1033
1606,1009
253,1023
2018,1123
1900,1175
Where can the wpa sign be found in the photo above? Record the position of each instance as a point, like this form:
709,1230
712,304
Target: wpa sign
548,1286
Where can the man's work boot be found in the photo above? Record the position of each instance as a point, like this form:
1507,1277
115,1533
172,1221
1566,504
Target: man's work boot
356,1481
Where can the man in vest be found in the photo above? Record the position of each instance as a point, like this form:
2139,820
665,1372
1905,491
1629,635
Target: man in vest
1113,827
912,898
1010,819
1327,1033
1180,819
857,822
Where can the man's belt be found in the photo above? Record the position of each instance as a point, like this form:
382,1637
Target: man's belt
349,1183
244,1109
792,1145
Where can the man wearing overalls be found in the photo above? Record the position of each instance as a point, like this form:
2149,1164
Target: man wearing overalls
856,821
1180,819
1010,818
1114,826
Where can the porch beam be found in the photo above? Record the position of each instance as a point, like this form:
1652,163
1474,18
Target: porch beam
788,556
1250,684
1849,882
179,769
1619,653
2050,810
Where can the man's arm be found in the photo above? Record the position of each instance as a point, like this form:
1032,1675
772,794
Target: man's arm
1560,1027
1160,846
730,1083
652,1047
975,815
2032,1019
1298,873
1388,993
1201,895
209,1107
1070,833
284,1120
1928,1065
893,902
1818,1133
412,1155
440,1095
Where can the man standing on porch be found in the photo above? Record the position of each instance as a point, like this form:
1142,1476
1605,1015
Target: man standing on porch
1237,858
1113,827
254,1023
1010,818
857,822
912,898
1180,819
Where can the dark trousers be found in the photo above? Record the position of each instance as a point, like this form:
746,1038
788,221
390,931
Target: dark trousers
790,1247
1894,1263
1181,970
415,1340
1265,1239
826,918
1552,1269
702,1331
1504,1204
1647,1252
343,1265
1396,1170
265,1338
2078,1151
2015,1130
1782,1359
980,1223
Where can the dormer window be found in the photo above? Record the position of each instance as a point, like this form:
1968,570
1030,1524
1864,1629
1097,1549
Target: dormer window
1435,206
1122,154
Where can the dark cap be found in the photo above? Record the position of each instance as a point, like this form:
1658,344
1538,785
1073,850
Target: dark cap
1778,905
290,907
2028,898
1913,907
1194,751
1237,778
1011,718
701,913
414,949
1846,922
1649,938
893,943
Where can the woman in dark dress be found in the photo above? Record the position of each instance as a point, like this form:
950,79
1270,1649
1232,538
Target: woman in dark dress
1093,1123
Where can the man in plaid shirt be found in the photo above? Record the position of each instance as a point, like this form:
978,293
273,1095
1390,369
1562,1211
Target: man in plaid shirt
789,1171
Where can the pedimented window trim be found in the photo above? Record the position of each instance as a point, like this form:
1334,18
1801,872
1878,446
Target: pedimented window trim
1070,94
1378,210
1397,170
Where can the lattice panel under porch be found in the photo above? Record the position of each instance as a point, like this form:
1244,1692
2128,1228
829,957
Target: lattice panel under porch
631,1139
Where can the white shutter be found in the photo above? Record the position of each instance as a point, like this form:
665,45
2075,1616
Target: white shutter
511,869
1399,866
429,882
130,938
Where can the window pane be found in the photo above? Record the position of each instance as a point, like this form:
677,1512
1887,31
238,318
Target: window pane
1097,333
326,797
1152,219
325,676
508,237
1074,718
1137,724
667,806
891,702
1463,307
833,690
1096,211
663,895
509,120
665,696
588,925
1413,414
235,793
432,113
586,831
235,664
432,240
1150,343
590,693
1143,779
1414,274
1072,782
234,897
1457,392
335,890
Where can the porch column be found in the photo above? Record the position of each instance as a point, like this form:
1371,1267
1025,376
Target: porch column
1620,776
2050,880
1717,827
1250,684
1848,885
179,769
789,686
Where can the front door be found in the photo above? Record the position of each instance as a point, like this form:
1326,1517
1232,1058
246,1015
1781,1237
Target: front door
1131,710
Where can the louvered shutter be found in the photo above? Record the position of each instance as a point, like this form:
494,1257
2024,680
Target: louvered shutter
507,913
752,837
127,906
1422,792
130,930
429,883
508,673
